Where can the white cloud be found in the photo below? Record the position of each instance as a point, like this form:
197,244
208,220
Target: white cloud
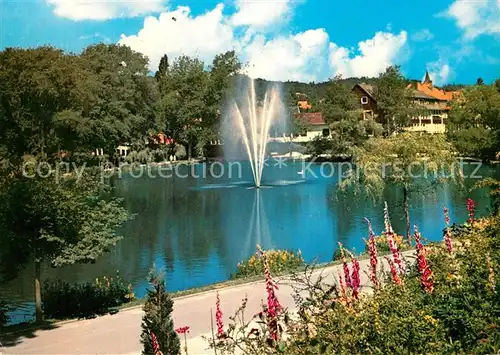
374,56
177,32
104,9
422,35
476,17
305,56
440,71
297,57
261,13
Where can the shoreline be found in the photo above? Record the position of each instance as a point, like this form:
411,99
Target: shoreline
183,294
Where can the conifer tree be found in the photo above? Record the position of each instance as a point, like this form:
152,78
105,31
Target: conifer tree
158,318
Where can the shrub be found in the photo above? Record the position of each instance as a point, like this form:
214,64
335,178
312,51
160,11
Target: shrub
157,319
280,261
62,300
383,246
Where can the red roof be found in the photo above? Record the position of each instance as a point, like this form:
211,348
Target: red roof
312,118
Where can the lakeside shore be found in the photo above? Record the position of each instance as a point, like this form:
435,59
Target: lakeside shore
120,333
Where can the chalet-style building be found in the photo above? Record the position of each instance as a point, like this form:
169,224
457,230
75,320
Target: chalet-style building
433,104
367,102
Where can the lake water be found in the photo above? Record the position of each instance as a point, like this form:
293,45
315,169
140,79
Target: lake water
199,228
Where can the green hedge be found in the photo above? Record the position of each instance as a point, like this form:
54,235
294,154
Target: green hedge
62,300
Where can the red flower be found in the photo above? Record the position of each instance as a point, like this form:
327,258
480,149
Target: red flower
471,208
423,266
218,317
355,280
273,305
447,233
394,272
372,250
389,235
154,343
182,330
347,274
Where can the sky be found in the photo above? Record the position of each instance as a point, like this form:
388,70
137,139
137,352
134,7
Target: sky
457,41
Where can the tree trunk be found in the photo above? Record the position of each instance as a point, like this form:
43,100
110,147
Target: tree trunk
407,212
38,292
189,151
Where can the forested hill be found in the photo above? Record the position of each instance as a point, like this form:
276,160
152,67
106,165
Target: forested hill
315,91
312,90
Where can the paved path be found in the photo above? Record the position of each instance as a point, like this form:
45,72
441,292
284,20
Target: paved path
120,333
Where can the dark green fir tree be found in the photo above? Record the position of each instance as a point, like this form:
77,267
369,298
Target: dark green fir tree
158,318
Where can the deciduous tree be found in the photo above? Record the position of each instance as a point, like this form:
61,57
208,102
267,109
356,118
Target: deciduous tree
393,99
411,161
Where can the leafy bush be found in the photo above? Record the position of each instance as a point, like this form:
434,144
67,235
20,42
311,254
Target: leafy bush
280,261
383,246
62,300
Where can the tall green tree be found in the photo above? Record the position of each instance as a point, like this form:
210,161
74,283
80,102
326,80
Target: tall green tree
220,81
474,122
114,101
60,222
45,217
35,86
409,161
157,318
341,112
394,100
182,106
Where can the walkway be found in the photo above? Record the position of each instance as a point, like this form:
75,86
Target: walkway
120,333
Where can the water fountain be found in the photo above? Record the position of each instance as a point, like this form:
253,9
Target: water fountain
251,121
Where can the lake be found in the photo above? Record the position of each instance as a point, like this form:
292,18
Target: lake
199,227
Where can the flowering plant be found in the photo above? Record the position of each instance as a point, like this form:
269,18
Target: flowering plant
279,261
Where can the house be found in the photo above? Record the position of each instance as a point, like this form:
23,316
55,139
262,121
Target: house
367,101
433,106
313,125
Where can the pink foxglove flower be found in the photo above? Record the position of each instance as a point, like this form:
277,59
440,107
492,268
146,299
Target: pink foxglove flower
471,209
347,274
447,233
394,272
218,317
426,280
355,279
372,251
389,235
273,305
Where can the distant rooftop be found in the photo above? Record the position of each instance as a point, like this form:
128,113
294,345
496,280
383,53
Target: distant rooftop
312,118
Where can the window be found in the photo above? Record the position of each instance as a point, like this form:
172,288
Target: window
364,100
437,119
326,132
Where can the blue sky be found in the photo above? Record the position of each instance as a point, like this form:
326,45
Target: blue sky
306,40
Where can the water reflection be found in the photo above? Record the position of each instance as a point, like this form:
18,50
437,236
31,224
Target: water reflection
199,234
